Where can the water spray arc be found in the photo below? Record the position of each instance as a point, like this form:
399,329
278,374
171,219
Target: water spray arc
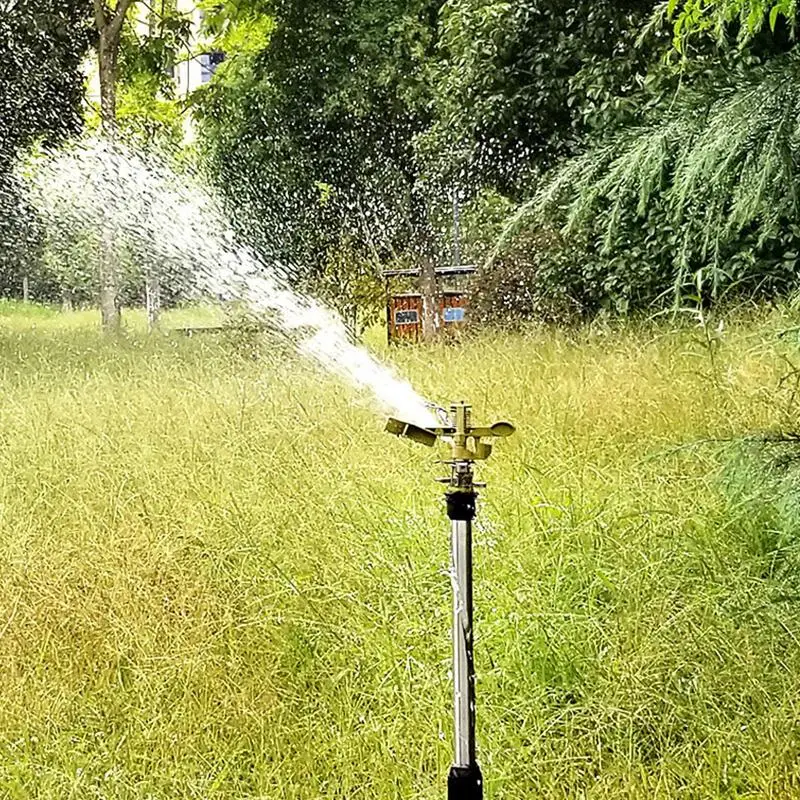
467,444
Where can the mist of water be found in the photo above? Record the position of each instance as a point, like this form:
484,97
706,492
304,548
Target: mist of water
178,220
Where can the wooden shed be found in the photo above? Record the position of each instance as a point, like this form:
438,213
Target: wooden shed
441,302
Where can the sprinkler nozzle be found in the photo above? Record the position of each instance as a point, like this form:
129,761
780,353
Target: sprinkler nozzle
465,440
410,431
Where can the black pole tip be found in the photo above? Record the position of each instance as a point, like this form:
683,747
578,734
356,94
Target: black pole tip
461,505
465,783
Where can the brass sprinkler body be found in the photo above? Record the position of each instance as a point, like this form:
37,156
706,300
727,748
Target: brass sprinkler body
467,443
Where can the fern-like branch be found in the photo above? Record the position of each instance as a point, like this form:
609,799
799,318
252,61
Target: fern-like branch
723,157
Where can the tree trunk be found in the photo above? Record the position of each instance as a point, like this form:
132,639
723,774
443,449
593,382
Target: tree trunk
456,230
152,298
107,51
423,242
66,299
110,308
430,305
26,294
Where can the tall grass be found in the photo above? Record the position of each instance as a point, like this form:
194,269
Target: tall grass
220,579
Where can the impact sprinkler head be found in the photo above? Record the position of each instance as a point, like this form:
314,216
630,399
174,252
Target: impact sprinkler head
467,442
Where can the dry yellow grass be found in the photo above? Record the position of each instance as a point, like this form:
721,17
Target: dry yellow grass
220,579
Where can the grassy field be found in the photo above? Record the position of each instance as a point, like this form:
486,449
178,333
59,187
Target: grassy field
220,579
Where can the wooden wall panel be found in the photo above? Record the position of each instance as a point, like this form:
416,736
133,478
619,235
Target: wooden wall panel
405,319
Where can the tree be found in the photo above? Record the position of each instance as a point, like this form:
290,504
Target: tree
148,114
139,65
352,122
109,22
335,98
700,192
521,85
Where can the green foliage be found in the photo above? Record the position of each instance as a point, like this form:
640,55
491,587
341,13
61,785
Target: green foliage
388,105
761,478
148,114
718,17
42,43
677,172
334,98
522,84
350,283
526,281
145,116
706,184
237,32
152,49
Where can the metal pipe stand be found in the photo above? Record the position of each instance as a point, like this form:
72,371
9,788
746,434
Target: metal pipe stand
467,445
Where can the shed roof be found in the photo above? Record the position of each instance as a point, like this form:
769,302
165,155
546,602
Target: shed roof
462,269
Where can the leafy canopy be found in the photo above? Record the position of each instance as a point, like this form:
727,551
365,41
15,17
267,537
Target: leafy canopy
42,43
520,85
334,98
695,17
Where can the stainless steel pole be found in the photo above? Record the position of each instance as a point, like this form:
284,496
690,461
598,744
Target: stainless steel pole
465,781
463,670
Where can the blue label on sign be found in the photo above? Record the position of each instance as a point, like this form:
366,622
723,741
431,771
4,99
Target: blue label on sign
454,314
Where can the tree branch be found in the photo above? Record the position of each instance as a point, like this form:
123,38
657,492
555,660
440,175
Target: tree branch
100,14
162,15
115,23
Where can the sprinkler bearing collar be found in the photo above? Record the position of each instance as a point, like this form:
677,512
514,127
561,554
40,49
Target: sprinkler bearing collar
461,505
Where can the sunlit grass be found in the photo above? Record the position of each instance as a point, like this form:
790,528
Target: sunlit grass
221,579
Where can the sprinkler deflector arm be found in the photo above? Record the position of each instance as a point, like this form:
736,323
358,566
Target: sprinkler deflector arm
464,781
467,442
